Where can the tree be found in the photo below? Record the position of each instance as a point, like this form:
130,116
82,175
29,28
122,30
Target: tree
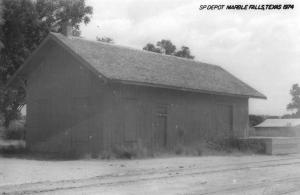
285,116
152,48
255,120
184,53
26,24
167,47
295,104
105,39
54,13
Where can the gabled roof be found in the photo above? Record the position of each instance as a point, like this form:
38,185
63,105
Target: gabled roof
140,67
279,123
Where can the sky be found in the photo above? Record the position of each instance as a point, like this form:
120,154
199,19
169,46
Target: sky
259,47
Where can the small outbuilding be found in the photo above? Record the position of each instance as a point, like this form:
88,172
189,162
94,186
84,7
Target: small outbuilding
279,136
90,96
278,128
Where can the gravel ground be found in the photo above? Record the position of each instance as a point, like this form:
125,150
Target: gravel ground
253,174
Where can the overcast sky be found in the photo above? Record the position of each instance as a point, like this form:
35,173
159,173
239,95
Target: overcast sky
260,47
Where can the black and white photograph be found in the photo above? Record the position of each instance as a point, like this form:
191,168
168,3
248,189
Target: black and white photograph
131,97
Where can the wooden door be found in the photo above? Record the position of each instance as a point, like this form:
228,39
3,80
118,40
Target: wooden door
161,125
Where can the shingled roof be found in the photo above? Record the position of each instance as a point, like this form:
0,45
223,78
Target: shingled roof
147,68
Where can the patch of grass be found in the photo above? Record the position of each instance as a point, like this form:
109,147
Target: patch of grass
220,147
233,144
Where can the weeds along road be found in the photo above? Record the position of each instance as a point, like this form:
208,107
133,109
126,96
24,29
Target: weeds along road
280,175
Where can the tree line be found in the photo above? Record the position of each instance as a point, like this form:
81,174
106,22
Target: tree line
168,48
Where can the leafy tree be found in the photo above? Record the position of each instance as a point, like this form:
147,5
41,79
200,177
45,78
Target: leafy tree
167,47
54,13
295,104
288,116
152,48
105,39
184,53
255,120
26,24
272,117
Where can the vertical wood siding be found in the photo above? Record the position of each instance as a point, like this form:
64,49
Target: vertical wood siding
168,117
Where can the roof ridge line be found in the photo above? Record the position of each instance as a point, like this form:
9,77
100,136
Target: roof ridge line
138,50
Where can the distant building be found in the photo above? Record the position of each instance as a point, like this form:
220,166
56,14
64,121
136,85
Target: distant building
278,128
90,96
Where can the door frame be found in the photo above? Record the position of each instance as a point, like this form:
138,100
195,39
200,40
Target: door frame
164,114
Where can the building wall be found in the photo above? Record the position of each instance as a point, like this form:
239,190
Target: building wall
62,105
164,118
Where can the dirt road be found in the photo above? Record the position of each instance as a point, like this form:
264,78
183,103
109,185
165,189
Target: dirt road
177,175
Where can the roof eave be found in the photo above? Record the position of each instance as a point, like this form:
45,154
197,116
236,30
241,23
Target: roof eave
258,96
127,82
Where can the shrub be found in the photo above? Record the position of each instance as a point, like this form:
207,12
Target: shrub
223,145
15,131
253,145
13,148
14,135
231,144
193,149
124,152
107,154
127,151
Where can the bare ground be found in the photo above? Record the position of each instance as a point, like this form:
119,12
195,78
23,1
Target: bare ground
252,174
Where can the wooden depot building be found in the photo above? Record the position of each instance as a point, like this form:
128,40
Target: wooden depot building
89,96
